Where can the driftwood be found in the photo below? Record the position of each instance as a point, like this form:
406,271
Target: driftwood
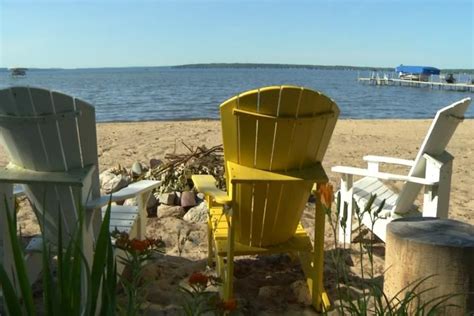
176,172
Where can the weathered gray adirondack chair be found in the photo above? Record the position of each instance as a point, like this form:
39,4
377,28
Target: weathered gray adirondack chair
51,141
431,168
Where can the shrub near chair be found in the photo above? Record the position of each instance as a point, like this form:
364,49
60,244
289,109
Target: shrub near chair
274,141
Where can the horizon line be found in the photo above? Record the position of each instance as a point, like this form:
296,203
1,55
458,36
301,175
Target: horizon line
216,63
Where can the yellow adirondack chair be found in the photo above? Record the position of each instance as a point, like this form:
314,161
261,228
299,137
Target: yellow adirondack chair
274,141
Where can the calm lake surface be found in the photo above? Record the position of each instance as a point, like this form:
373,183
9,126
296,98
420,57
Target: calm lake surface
163,93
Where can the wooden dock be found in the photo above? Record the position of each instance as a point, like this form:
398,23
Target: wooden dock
385,81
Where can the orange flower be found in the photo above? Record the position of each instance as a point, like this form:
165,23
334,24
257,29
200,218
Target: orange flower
198,278
138,245
228,305
326,193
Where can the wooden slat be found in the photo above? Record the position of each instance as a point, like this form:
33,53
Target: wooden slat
279,119
45,199
48,132
330,124
285,131
14,174
130,191
7,107
207,185
26,134
229,134
243,206
247,129
9,133
67,130
296,195
268,105
241,174
87,138
297,243
274,198
259,203
320,134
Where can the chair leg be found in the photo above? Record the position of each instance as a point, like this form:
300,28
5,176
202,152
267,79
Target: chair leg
229,271
320,299
210,242
229,279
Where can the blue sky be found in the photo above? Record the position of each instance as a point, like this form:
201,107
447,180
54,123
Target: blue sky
106,33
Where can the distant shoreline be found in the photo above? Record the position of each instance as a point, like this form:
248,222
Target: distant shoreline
246,66
182,120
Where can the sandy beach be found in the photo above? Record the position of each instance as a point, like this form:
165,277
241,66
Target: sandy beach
125,143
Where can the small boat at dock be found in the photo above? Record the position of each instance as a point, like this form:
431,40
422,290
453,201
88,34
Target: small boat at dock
416,73
18,72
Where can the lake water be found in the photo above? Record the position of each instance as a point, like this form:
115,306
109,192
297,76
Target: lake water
163,93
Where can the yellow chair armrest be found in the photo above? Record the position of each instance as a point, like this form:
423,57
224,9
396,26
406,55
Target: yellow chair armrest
207,185
242,174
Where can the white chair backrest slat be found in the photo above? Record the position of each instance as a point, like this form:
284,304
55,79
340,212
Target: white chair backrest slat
439,134
88,142
16,132
7,107
43,103
67,131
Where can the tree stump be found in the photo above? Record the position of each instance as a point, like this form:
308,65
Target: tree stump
441,250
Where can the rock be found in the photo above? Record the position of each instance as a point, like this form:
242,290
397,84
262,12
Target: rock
170,211
197,214
167,198
177,200
301,292
131,202
110,182
152,201
201,196
270,293
188,199
137,168
152,206
155,163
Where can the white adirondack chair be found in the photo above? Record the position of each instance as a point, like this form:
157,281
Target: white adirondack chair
51,141
431,168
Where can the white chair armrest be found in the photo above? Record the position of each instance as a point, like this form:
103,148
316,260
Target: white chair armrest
391,160
380,175
132,190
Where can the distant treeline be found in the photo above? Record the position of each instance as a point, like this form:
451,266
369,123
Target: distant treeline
287,66
279,66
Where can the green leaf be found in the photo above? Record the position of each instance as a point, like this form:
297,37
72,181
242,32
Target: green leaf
100,257
11,301
19,260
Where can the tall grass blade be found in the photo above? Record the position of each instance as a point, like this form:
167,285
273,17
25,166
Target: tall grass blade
19,260
100,257
11,301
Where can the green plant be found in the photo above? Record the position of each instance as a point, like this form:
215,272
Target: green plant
134,256
63,291
372,300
